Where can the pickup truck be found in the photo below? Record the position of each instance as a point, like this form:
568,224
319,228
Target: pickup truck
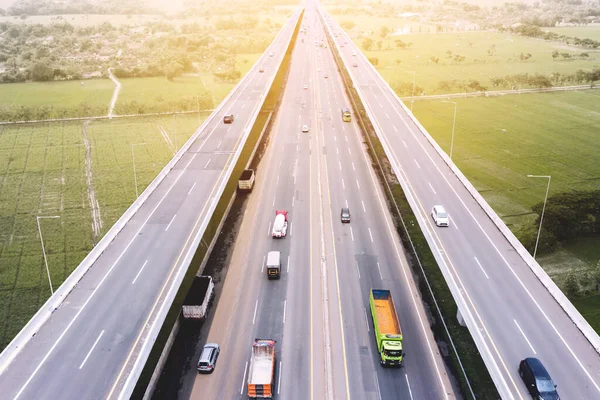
388,334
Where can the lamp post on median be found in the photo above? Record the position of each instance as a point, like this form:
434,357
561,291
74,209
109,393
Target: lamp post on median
453,126
543,209
134,172
412,98
43,248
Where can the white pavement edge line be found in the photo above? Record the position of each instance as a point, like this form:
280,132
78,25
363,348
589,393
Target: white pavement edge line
92,349
525,337
461,302
144,352
244,378
36,322
543,277
139,272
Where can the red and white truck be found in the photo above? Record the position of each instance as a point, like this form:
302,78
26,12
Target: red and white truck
280,225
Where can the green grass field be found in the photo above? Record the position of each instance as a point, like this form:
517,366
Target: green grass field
64,94
588,307
498,141
589,32
43,173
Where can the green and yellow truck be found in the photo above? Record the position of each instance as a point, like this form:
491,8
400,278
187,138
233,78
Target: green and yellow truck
388,334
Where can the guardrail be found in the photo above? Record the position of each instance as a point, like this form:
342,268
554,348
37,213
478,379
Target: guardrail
45,312
552,288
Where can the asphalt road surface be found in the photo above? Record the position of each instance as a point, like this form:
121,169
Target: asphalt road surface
319,310
85,350
514,313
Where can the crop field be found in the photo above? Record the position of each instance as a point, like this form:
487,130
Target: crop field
499,141
64,94
587,32
44,174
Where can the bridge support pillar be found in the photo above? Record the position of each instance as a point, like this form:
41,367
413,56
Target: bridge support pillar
460,318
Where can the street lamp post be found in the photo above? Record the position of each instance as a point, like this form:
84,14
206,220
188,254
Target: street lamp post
44,248
134,172
543,209
453,125
412,98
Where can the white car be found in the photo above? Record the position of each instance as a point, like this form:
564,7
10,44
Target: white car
354,53
304,128
305,86
270,54
439,215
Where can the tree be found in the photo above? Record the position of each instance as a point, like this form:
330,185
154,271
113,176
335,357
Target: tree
570,286
379,44
400,44
367,43
434,60
492,50
448,53
41,72
348,25
398,62
384,31
565,56
458,58
173,69
584,56
555,54
374,61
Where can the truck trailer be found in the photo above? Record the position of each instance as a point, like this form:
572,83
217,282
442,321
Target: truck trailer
198,299
388,334
261,375
246,181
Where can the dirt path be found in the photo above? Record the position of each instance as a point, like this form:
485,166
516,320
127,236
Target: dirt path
94,206
115,96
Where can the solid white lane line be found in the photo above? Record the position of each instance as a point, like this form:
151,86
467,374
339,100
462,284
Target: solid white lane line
409,390
363,204
358,184
352,234
255,308
370,235
284,307
269,229
244,378
480,266
172,219
379,269
139,272
357,270
279,380
353,168
92,349
432,189
418,166
366,320
193,186
523,333
343,184
291,228
262,266
219,145
288,265
340,164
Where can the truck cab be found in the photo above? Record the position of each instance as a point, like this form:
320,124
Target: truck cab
391,351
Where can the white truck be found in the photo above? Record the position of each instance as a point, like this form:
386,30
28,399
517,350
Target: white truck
274,265
280,224
246,181
197,301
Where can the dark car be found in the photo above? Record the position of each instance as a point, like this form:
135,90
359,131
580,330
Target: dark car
345,214
208,358
228,118
538,381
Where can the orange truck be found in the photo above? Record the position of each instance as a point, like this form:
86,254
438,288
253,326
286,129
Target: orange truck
388,334
261,376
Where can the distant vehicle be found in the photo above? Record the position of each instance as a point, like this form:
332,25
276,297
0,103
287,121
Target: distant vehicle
304,128
274,265
261,70
270,54
246,181
354,65
346,116
345,214
208,358
538,381
318,69
354,53
280,225
261,375
341,44
197,301
325,76
228,118
305,86
439,215
388,334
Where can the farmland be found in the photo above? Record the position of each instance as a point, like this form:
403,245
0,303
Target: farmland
64,94
588,32
43,174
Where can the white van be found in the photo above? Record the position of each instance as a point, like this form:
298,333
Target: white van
274,265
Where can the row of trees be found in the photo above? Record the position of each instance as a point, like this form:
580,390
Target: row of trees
536,32
579,77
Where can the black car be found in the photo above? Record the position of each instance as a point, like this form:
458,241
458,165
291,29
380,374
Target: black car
208,358
345,214
537,379
228,118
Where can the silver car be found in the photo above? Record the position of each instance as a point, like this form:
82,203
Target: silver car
439,215
208,358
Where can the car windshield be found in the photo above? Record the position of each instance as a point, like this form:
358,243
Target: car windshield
393,353
544,385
